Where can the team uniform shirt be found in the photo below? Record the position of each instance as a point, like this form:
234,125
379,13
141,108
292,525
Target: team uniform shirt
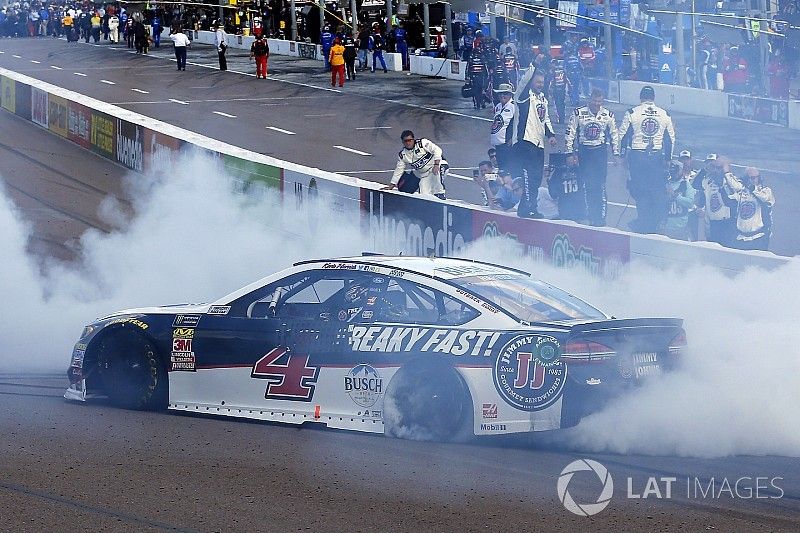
538,126
180,39
220,39
716,197
754,214
420,159
569,190
591,130
648,127
503,116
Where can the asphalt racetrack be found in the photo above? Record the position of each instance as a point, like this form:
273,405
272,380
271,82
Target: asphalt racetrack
66,467
297,116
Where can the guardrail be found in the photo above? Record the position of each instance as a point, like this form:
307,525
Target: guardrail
392,221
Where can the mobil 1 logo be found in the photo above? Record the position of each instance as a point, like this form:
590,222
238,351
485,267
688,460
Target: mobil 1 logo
529,373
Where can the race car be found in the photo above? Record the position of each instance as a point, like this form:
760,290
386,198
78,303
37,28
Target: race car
436,348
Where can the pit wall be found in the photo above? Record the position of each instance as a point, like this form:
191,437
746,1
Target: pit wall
706,103
392,221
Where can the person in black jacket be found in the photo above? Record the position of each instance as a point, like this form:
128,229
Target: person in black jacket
567,187
350,57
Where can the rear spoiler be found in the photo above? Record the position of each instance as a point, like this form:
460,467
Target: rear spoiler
626,323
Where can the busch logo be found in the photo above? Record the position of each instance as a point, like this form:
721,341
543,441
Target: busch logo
364,385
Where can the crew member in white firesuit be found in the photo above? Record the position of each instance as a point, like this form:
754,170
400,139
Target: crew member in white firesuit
501,134
591,128
717,185
648,133
530,129
422,159
754,213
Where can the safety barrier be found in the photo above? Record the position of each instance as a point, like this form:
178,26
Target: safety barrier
434,66
392,221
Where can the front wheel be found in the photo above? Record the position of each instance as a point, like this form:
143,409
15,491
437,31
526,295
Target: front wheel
132,372
428,403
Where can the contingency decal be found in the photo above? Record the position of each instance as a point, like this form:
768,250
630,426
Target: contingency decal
186,321
407,339
182,356
218,310
364,385
289,379
529,373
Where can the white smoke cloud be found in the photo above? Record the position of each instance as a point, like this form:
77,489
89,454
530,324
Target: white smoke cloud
192,240
738,389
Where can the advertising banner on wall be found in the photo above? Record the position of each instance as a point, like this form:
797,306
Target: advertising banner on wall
398,223
563,245
57,115
763,110
8,97
130,145
39,107
248,174
22,108
160,151
102,134
79,124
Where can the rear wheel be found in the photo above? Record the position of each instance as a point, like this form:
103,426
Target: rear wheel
428,403
132,372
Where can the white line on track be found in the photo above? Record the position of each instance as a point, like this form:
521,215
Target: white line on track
55,67
459,176
223,114
107,82
376,128
140,91
178,101
1,52
630,206
37,62
15,55
79,74
321,115
287,132
352,150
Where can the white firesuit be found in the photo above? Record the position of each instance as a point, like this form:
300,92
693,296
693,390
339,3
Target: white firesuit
420,159
754,215
590,130
649,128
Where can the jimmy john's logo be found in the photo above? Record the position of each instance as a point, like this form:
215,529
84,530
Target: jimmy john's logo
529,373
403,339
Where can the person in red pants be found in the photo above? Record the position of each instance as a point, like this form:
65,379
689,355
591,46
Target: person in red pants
336,60
260,51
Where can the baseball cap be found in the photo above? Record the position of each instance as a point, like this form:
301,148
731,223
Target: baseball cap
711,157
685,153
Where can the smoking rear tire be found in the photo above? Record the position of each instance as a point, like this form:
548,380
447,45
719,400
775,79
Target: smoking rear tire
428,403
133,375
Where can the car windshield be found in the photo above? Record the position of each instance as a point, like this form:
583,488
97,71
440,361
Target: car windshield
527,298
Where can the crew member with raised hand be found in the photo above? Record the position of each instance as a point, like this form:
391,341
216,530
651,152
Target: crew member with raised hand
531,129
648,134
591,128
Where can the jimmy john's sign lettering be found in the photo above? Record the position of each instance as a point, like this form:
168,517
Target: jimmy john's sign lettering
409,339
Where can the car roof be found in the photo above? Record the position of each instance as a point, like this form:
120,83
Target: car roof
445,268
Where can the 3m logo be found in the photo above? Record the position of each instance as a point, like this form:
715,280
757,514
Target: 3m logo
183,333
181,345
291,379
